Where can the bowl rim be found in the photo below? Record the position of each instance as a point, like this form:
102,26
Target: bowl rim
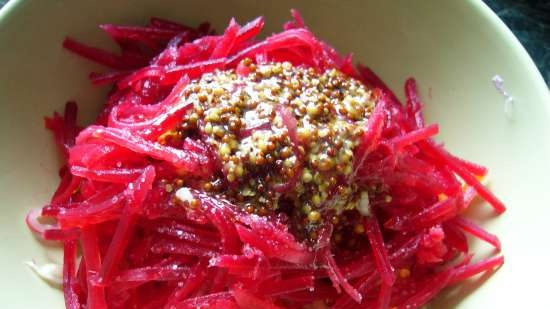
480,8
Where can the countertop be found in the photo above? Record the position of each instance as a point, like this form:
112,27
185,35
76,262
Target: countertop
529,20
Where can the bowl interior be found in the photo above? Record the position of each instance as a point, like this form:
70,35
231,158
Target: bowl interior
453,48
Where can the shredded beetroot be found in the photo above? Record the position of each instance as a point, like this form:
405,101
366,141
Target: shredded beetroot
92,260
146,246
477,231
69,275
380,253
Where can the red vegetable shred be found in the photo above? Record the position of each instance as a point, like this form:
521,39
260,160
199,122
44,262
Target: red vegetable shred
132,192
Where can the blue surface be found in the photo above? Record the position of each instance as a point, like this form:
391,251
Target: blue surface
529,20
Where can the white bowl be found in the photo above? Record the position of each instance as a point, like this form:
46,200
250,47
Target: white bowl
453,48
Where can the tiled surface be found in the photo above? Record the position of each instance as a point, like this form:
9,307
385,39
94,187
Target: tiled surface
530,22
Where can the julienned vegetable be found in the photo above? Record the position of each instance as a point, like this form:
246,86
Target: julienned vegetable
227,171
